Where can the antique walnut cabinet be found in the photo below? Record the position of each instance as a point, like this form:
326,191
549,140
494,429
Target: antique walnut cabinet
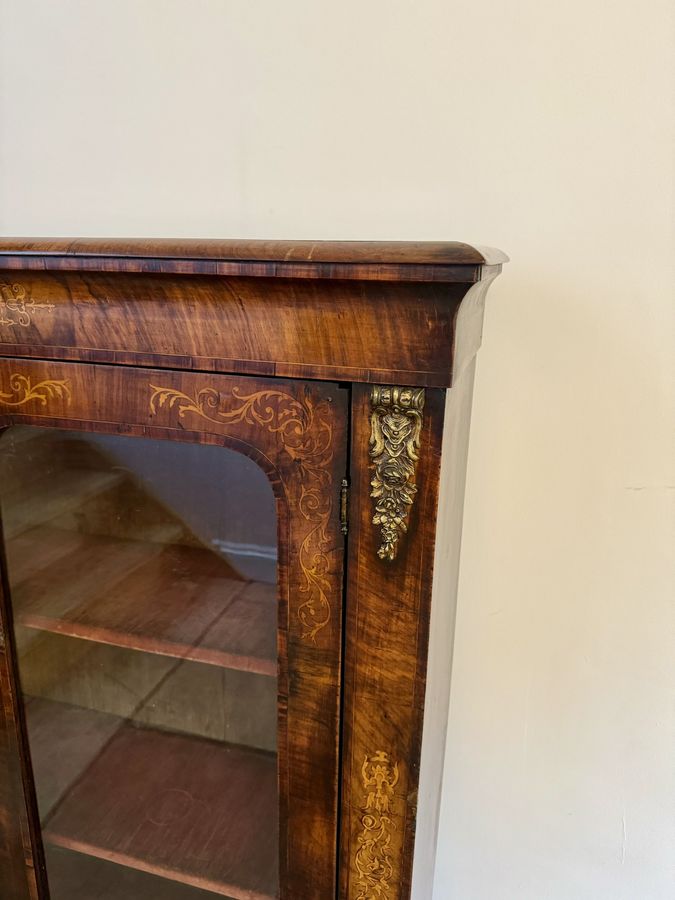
220,470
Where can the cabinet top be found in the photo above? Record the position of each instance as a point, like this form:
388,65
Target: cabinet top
360,260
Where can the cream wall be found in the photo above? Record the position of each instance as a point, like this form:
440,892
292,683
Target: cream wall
542,128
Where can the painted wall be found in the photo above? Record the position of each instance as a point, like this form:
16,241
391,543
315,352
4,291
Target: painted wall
545,129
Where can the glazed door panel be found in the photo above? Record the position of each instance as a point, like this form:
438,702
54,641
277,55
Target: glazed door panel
172,628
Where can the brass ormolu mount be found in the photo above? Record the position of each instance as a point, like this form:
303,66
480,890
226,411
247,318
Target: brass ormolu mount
396,425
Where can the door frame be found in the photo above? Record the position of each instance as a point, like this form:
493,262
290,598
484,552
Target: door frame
297,432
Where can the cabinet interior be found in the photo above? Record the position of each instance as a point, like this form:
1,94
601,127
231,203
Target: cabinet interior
148,667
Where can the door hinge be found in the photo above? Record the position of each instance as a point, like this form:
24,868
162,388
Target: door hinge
344,506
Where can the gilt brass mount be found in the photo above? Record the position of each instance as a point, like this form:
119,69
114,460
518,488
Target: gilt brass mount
396,426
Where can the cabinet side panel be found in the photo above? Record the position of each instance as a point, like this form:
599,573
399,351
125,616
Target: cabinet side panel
444,602
387,620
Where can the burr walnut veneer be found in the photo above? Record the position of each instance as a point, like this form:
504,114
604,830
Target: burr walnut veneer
220,469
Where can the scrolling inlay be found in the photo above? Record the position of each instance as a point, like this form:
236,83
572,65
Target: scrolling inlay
396,425
307,437
373,857
22,390
15,309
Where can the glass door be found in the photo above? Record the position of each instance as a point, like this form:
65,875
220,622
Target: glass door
161,602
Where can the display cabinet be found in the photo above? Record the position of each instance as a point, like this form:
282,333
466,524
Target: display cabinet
220,469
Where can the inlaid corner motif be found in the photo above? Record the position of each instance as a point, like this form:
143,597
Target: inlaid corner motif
373,858
306,435
15,309
22,390
396,426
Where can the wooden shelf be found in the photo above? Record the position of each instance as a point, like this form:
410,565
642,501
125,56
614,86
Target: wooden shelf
178,601
76,877
44,499
64,740
190,810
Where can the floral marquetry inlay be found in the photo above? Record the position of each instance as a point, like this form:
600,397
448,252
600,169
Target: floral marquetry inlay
373,858
306,435
15,309
22,390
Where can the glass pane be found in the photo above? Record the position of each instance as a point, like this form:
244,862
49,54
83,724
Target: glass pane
143,582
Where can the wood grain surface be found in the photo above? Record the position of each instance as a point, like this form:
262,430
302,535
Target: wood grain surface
329,330
386,639
362,260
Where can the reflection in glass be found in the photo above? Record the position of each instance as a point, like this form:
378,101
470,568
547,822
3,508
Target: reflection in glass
143,583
